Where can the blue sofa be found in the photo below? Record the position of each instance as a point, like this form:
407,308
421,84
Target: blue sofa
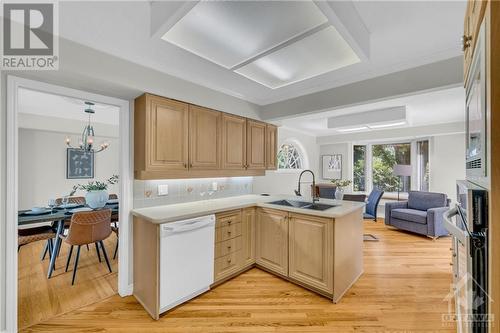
422,213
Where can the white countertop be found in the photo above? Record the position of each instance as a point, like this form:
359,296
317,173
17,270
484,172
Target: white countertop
182,211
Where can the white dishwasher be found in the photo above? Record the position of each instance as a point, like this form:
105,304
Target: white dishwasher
186,260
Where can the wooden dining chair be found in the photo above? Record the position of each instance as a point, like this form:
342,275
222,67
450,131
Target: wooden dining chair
115,222
87,228
31,235
72,200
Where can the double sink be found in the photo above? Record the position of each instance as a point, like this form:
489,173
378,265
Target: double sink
302,204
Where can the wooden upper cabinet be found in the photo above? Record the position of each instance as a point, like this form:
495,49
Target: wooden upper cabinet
256,145
271,248
474,16
311,251
271,147
161,134
205,129
174,140
233,142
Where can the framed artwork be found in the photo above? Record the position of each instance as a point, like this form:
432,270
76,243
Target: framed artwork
79,164
332,166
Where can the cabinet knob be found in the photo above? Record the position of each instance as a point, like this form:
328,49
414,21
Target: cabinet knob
185,165
465,40
190,165
229,247
229,232
229,222
229,260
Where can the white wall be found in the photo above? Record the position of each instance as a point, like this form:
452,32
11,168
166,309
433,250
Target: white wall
447,158
42,166
284,182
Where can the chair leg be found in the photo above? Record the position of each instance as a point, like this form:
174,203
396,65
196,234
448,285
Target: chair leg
76,264
69,257
88,249
105,256
50,245
116,249
97,250
45,250
18,247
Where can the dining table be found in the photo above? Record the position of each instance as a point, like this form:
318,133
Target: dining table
58,215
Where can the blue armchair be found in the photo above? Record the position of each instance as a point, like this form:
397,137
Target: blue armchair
422,213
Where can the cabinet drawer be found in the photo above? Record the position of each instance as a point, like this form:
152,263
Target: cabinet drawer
227,232
227,247
228,218
227,265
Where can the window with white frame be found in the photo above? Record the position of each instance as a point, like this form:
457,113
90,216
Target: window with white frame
290,157
373,166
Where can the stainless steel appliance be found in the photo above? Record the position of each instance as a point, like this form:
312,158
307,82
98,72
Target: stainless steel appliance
467,222
476,121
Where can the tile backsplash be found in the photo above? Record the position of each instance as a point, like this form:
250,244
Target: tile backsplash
186,190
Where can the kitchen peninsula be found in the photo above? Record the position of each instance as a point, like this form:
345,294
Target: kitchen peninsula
317,247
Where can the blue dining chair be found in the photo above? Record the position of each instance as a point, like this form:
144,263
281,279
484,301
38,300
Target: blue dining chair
371,210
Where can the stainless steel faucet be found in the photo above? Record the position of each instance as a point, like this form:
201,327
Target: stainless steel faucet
313,188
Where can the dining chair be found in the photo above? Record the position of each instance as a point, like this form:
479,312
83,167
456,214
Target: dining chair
31,235
72,200
370,209
87,228
115,222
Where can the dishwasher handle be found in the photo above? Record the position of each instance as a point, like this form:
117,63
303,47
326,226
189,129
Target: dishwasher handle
188,226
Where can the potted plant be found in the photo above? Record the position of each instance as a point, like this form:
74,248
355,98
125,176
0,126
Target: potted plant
340,184
97,194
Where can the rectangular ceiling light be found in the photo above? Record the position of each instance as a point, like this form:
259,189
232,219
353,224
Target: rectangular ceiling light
316,54
353,129
381,118
229,33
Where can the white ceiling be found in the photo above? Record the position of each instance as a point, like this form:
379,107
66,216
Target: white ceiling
401,35
49,105
443,106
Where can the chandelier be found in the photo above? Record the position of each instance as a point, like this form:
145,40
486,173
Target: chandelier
87,140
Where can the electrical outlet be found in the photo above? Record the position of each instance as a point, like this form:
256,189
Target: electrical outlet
214,186
163,189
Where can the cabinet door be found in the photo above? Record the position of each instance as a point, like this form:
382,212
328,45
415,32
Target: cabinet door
272,240
271,147
256,144
168,129
204,138
311,251
233,142
248,233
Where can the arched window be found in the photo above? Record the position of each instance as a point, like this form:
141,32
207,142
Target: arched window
290,157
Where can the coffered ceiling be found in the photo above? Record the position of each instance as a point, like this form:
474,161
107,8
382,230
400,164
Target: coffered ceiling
265,52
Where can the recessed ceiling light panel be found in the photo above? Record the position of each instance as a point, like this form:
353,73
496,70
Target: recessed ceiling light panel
316,54
229,33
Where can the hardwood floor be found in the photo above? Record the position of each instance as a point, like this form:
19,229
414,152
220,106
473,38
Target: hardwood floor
402,289
40,299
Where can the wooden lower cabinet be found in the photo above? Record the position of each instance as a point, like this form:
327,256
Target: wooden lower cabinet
272,240
248,236
228,244
227,265
310,258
